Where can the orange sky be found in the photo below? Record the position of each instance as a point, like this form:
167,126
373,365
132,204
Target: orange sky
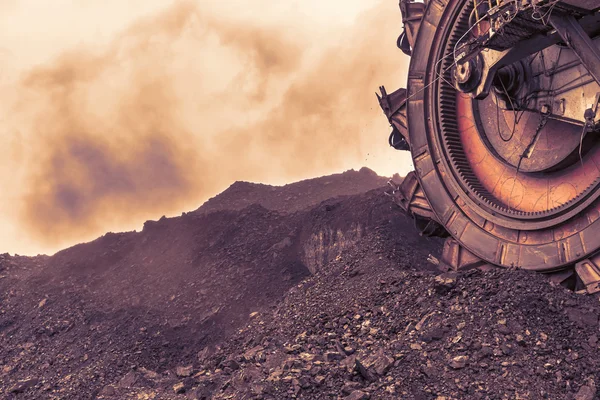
116,112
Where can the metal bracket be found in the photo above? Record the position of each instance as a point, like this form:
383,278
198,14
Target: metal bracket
410,197
455,257
494,60
579,41
394,108
592,112
412,15
589,274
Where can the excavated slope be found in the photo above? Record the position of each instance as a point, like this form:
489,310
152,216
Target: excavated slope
79,321
375,323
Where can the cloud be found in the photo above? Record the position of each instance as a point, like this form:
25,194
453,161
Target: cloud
181,104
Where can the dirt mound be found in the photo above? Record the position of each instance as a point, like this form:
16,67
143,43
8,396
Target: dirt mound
91,319
369,325
295,196
331,301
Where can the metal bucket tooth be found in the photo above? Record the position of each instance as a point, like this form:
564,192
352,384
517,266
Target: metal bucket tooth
588,274
394,108
412,15
410,197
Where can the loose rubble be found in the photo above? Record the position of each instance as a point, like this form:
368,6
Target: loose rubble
295,196
370,326
139,308
373,321
498,334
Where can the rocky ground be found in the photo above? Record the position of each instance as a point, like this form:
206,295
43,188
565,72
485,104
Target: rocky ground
295,196
368,327
334,301
376,323
75,323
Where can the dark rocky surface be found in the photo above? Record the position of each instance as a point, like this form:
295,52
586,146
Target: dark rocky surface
295,196
371,326
81,321
331,301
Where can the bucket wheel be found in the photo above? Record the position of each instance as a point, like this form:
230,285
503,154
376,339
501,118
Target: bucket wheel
501,115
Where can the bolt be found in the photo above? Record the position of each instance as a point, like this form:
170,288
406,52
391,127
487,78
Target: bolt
545,109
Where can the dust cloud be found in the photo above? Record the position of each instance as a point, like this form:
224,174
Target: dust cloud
181,104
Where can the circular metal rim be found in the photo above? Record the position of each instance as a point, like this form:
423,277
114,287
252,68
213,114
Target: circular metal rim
537,219
444,194
478,197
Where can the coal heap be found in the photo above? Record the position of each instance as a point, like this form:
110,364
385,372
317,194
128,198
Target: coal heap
334,300
294,196
371,326
75,324
377,323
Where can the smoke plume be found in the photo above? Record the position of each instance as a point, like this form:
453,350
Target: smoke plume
180,105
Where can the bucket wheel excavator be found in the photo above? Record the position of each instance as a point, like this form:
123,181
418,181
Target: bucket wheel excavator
501,117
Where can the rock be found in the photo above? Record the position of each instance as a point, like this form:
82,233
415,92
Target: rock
445,282
292,348
108,391
204,392
304,382
582,318
319,380
184,372
357,395
422,322
349,363
179,387
436,334
42,303
503,329
24,385
149,374
586,393
332,356
340,348
275,376
349,387
128,380
429,371
205,353
506,349
363,371
459,362
231,364
250,355
292,363
485,352
379,362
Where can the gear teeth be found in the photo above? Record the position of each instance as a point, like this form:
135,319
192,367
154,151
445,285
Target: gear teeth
453,143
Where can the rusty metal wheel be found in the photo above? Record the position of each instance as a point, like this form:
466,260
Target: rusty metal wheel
509,163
